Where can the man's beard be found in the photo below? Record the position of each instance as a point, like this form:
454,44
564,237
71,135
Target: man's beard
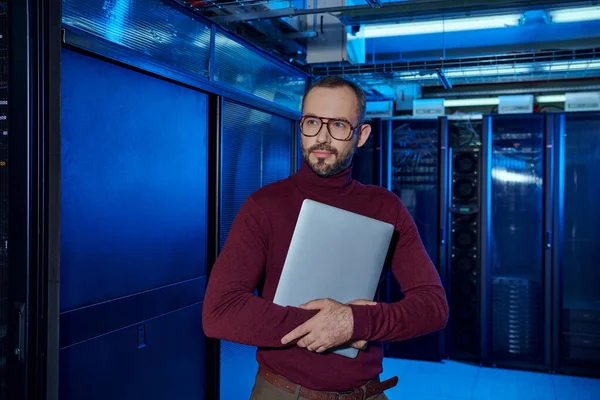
320,168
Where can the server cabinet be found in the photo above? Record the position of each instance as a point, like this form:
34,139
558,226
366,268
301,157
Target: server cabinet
515,231
576,234
416,169
466,210
29,220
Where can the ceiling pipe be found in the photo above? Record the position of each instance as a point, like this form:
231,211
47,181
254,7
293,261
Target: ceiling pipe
524,90
410,9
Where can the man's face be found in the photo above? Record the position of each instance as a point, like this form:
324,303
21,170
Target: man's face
326,155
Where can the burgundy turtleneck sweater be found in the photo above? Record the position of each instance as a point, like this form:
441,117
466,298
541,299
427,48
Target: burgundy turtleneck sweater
253,257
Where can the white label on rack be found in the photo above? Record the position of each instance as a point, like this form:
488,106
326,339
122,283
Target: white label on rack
575,102
428,108
520,104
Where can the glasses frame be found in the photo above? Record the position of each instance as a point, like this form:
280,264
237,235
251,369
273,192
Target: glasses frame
326,123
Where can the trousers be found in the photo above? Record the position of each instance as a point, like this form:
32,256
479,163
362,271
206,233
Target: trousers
264,390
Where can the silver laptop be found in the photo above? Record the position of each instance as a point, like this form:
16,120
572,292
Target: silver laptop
333,254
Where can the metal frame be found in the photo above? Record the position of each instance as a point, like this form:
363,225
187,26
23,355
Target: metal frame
557,237
34,207
485,229
449,190
296,144
443,217
213,346
386,154
547,279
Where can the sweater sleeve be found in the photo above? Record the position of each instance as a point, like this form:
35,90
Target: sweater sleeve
423,309
231,311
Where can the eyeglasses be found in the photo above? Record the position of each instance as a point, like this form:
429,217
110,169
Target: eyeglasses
338,129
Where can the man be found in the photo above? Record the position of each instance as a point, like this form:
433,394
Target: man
292,342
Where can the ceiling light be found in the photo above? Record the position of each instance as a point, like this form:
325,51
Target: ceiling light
562,66
494,101
469,72
575,14
491,101
552,98
449,25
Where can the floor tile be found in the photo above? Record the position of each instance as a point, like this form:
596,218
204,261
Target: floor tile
576,388
496,383
432,380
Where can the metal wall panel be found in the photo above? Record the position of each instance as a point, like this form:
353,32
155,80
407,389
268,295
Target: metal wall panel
133,234
134,182
114,366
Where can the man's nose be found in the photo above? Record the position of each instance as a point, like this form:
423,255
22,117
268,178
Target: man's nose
323,135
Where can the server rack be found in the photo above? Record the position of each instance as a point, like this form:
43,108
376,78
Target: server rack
466,283
31,141
416,161
575,239
514,231
5,308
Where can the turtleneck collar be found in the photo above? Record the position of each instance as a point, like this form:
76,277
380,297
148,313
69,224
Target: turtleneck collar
306,177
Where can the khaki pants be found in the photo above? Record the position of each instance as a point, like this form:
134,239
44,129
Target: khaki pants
263,390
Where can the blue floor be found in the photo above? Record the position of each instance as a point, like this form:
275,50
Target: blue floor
457,381
418,380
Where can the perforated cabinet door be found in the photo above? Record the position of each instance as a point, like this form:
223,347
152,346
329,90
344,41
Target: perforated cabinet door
256,150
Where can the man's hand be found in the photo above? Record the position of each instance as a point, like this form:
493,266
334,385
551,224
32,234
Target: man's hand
361,344
332,326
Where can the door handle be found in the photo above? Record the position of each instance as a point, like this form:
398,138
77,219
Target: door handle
20,349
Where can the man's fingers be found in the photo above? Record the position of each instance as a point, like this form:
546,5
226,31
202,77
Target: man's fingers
311,342
313,346
359,344
297,333
322,349
361,302
305,342
314,304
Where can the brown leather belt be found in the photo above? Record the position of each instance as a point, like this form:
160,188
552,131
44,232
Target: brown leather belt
370,389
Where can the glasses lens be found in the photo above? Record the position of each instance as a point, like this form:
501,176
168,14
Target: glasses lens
310,126
340,130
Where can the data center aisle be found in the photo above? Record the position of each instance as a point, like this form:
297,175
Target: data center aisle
452,380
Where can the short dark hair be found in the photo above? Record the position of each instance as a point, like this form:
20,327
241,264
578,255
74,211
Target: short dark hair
339,82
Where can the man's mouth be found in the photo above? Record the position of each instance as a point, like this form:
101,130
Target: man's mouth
322,153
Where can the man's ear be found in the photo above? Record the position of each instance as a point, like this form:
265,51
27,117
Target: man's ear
363,134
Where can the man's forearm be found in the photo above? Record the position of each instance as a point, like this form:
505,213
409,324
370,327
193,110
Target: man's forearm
422,311
248,319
